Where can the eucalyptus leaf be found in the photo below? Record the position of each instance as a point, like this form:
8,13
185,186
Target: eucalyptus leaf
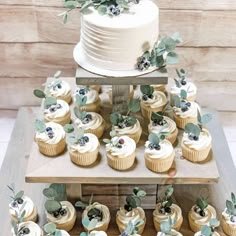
84,234
50,228
77,112
157,117
40,126
70,4
191,128
177,83
113,133
107,141
170,44
81,204
22,216
214,223
183,94
233,198
72,140
153,138
69,128
147,89
49,193
206,118
86,5
177,38
92,224
141,193
115,118
65,18
58,233
202,203
49,101
57,74
79,133
131,121
102,10
206,230
176,101
39,93
19,195
134,105
169,191
171,58
52,206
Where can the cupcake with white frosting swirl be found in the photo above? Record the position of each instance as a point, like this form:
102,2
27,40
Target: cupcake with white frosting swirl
91,97
132,212
83,147
152,101
160,123
120,151
200,214
27,228
229,216
50,138
159,153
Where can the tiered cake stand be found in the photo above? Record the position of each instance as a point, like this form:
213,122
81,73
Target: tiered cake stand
190,180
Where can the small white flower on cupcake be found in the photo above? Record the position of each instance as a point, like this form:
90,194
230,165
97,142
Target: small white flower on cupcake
51,230
209,230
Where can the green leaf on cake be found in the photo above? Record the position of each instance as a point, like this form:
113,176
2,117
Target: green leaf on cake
130,121
50,228
40,126
134,105
153,138
214,223
233,198
169,191
176,101
146,54
102,10
230,206
202,203
113,133
176,37
206,118
177,83
52,206
191,128
172,58
206,230
170,44
157,117
183,94
70,4
69,128
86,5
49,193
19,195
141,193
49,101
57,74
107,141
147,89
39,93
81,204
79,133
60,190
72,140
115,118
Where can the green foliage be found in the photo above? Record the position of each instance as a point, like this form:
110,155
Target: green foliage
132,228
192,129
208,230
69,128
157,117
134,105
166,201
49,101
203,120
74,134
39,93
157,138
39,126
147,89
113,142
84,204
202,203
90,225
57,74
231,205
51,229
167,225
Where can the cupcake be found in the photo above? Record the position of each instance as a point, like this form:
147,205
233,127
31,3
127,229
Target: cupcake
229,217
159,153
61,213
127,124
196,143
51,229
59,89
22,204
132,228
209,230
165,209
160,123
120,151
90,96
27,228
184,111
200,214
132,212
166,228
50,138
83,147
182,84
152,101
131,93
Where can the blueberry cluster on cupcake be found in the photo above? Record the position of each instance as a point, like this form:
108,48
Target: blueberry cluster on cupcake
165,209
50,138
83,147
184,111
152,101
209,229
91,98
197,141
127,124
51,230
59,89
58,211
229,216
120,151
200,214
132,211
160,123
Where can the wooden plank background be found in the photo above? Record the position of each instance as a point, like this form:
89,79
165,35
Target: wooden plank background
34,43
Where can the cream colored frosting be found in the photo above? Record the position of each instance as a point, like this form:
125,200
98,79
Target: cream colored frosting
58,131
106,213
61,112
200,234
203,141
169,127
70,212
191,112
115,43
97,233
64,233
175,214
173,233
96,122
124,217
159,99
165,151
127,130
92,95
127,148
35,230
190,88
227,216
28,207
210,213
57,92
90,146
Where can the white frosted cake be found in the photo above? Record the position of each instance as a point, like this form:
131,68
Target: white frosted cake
111,45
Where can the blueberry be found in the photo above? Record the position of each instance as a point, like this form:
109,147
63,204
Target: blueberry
142,60
162,210
140,66
63,212
168,210
146,65
151,146
56,214
20,201
85,121
95,213
188,104
51,136
150,96
157,147
26,231
117,12
82,142
119,146
183,82
121,141
155,123
89,116
162,122
190,136
14,204
197,209
48,129
124,234
202,213
121,125
128,207
233,219
195,138
82,91
86,139
145,97
52,109
59,86
58,106
184,109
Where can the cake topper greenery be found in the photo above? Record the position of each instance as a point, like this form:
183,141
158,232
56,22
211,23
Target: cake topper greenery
162,53
104,7
122,121
181,102
166,201
181,81
93,211
158,118
41,127
55,194
147,91
155,139
201,205
51,230
114,142
89,225
132,228
56,83
133,201
231,207
194,130
208,230
167,226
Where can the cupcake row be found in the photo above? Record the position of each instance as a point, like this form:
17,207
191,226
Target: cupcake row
130,219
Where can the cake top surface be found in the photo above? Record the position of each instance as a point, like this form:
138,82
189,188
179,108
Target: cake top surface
138,14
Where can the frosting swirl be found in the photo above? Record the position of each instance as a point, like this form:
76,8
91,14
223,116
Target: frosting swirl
56,91
191,112
165,151
189,87
91,94
159,99
227,216
98,233
200,234
127,130
96,121
127,148
64,233
172,233
169,127
28,207
90,146
58,131
210,213
70,213
203,141
33,227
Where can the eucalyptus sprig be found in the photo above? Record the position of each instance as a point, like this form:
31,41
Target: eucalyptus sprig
147,91
162,54
201,205
133,201
122,121
208,230
155,139
203,119
89,225
19,230
231,205
48,101
40,126
158,118
181,81
51,230
132,228
114,142
167,226
56,83
166,201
